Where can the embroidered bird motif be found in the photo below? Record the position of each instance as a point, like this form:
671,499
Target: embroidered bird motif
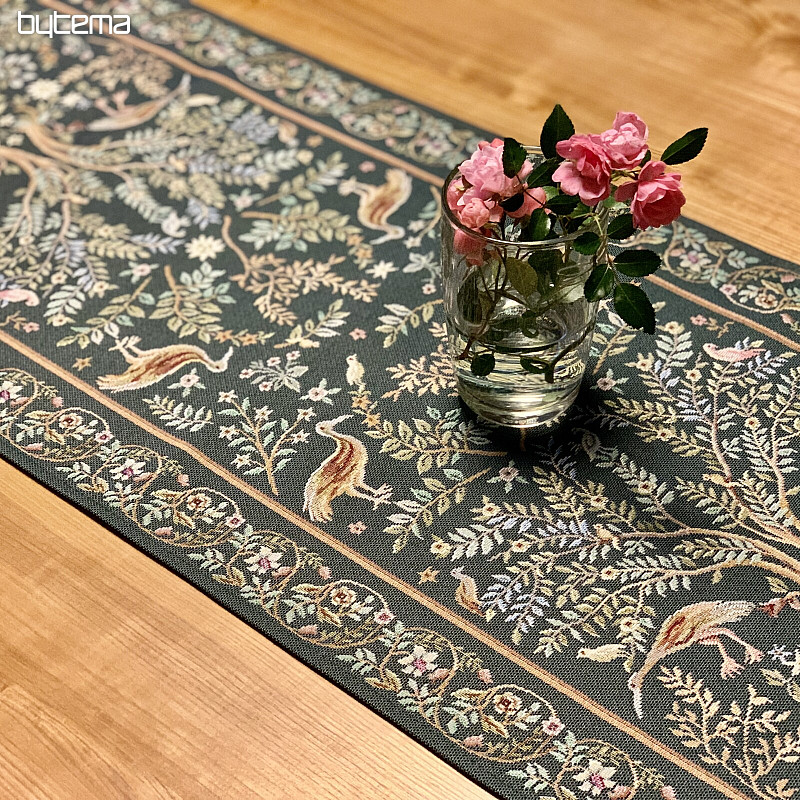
377,203
125,116
355,371
731,355
604,653
18,296
150,366
775,605
467,592
698,623
342,472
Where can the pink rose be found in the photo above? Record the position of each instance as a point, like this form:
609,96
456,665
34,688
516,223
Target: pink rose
657,196
469,246
484,170
534,198
455,190
475,213
587,172
626,142
470,207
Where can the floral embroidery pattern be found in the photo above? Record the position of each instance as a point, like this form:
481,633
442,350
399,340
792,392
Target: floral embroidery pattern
428,674
268,295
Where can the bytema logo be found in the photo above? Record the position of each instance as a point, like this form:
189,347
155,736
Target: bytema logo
80,24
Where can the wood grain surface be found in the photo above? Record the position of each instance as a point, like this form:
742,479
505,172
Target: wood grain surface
119,680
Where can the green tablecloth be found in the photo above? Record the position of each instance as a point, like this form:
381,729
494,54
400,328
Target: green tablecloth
221,334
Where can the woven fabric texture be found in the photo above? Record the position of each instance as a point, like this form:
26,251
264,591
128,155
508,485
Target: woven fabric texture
221,333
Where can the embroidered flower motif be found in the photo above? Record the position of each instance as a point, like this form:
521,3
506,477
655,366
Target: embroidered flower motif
69,422
383,617
199,501
9,391
553,726
440,548
264,561
242,460
596,778
227,431
508,474
507,703
343,596
128,469
205,248
357,528
419,661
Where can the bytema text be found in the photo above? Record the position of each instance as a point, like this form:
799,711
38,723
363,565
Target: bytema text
80,24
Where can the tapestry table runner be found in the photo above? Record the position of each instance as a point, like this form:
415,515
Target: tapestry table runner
221,334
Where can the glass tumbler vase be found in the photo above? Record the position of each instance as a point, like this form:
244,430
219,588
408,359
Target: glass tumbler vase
518,358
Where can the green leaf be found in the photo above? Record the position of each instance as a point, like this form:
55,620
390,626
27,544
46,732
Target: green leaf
563,204
537,228
543,174
637,263
522,275
513,203
587,243
647,156
550,191
633,305
557,127
621,227
685,148
546,260
600,283
482,364
514,155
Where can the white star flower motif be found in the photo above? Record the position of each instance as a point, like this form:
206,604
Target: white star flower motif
204,247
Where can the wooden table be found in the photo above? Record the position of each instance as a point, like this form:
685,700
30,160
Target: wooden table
117,679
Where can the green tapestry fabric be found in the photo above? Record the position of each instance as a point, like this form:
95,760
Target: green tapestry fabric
221,333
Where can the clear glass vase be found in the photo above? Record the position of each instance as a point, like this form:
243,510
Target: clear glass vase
519,327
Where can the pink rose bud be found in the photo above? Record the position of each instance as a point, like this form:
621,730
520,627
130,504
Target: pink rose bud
587,173
57,402
534,198
626,142
657,196
475,214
